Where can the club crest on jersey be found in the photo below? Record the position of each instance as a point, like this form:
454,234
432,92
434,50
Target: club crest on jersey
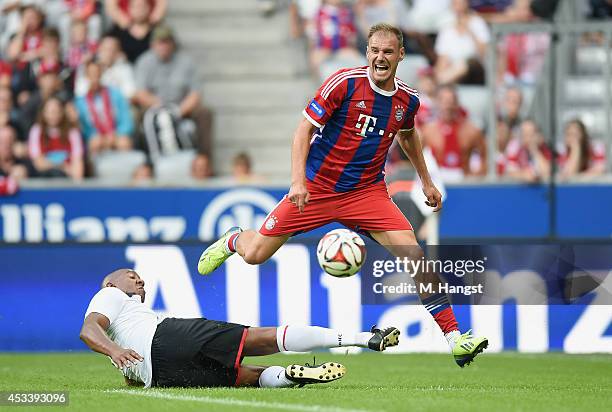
399,113
271,222
316,107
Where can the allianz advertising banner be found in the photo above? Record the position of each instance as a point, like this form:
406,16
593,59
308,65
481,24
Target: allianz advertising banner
57,245
517,303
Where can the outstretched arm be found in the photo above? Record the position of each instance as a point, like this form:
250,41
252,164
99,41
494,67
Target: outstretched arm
410,143
298,194
94,335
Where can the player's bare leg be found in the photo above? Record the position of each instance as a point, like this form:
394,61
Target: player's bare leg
267,341
403,243
254,248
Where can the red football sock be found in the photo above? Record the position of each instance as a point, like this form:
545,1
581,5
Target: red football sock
231,242
443,314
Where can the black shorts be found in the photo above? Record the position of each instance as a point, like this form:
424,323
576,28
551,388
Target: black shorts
197,352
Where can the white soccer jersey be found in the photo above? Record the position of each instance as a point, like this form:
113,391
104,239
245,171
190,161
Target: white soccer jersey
132,326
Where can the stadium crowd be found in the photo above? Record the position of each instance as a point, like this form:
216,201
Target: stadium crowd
87,85
98,89
451,37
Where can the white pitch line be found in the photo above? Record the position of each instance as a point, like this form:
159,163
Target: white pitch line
233,402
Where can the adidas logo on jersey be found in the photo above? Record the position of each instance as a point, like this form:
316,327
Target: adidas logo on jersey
361,105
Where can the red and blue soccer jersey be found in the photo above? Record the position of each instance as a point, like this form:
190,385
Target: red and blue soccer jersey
335,27
357,123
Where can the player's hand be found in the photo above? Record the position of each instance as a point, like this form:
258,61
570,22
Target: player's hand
299,196
434,198
124,358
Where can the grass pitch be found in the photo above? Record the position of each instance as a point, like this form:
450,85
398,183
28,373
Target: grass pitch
374,382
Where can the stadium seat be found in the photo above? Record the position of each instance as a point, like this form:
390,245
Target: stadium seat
476,100
584,89
174,168
590,59
118,167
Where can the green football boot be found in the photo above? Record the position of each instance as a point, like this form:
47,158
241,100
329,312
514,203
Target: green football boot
467,347
217,253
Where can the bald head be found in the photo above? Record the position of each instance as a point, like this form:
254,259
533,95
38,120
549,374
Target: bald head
126,280
112,278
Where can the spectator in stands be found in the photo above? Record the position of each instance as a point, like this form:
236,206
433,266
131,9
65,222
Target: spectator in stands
85,12
487,7
370,12
394,12
425,16
427,97
336,34
116,71
167,77
457,145
580,156
135,38
528,156
517,11
55,146
12,163
9,115
49,84
50,57
242,170
508,123
200,167
302,15
120,13
6,74
28,39
22,79
104,115
461,47
521,55
81,50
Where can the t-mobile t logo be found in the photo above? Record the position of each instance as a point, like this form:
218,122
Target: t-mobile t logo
365,126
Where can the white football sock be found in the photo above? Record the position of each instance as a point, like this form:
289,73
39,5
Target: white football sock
451,338
274,377
306,338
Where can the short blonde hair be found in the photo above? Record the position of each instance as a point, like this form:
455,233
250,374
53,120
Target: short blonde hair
387,28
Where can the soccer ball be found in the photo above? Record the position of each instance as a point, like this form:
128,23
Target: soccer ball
341,253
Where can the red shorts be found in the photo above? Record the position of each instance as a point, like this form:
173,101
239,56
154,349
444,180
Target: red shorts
363,210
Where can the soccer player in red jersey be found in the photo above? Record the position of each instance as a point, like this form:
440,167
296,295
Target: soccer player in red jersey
338,156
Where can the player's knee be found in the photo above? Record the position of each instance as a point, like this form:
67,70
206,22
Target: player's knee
254,257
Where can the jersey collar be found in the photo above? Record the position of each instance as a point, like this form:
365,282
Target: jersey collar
378,89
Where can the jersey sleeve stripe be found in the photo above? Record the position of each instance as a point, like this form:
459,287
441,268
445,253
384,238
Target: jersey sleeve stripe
340,82
332,85
403,83
410,91
311,120
335,77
